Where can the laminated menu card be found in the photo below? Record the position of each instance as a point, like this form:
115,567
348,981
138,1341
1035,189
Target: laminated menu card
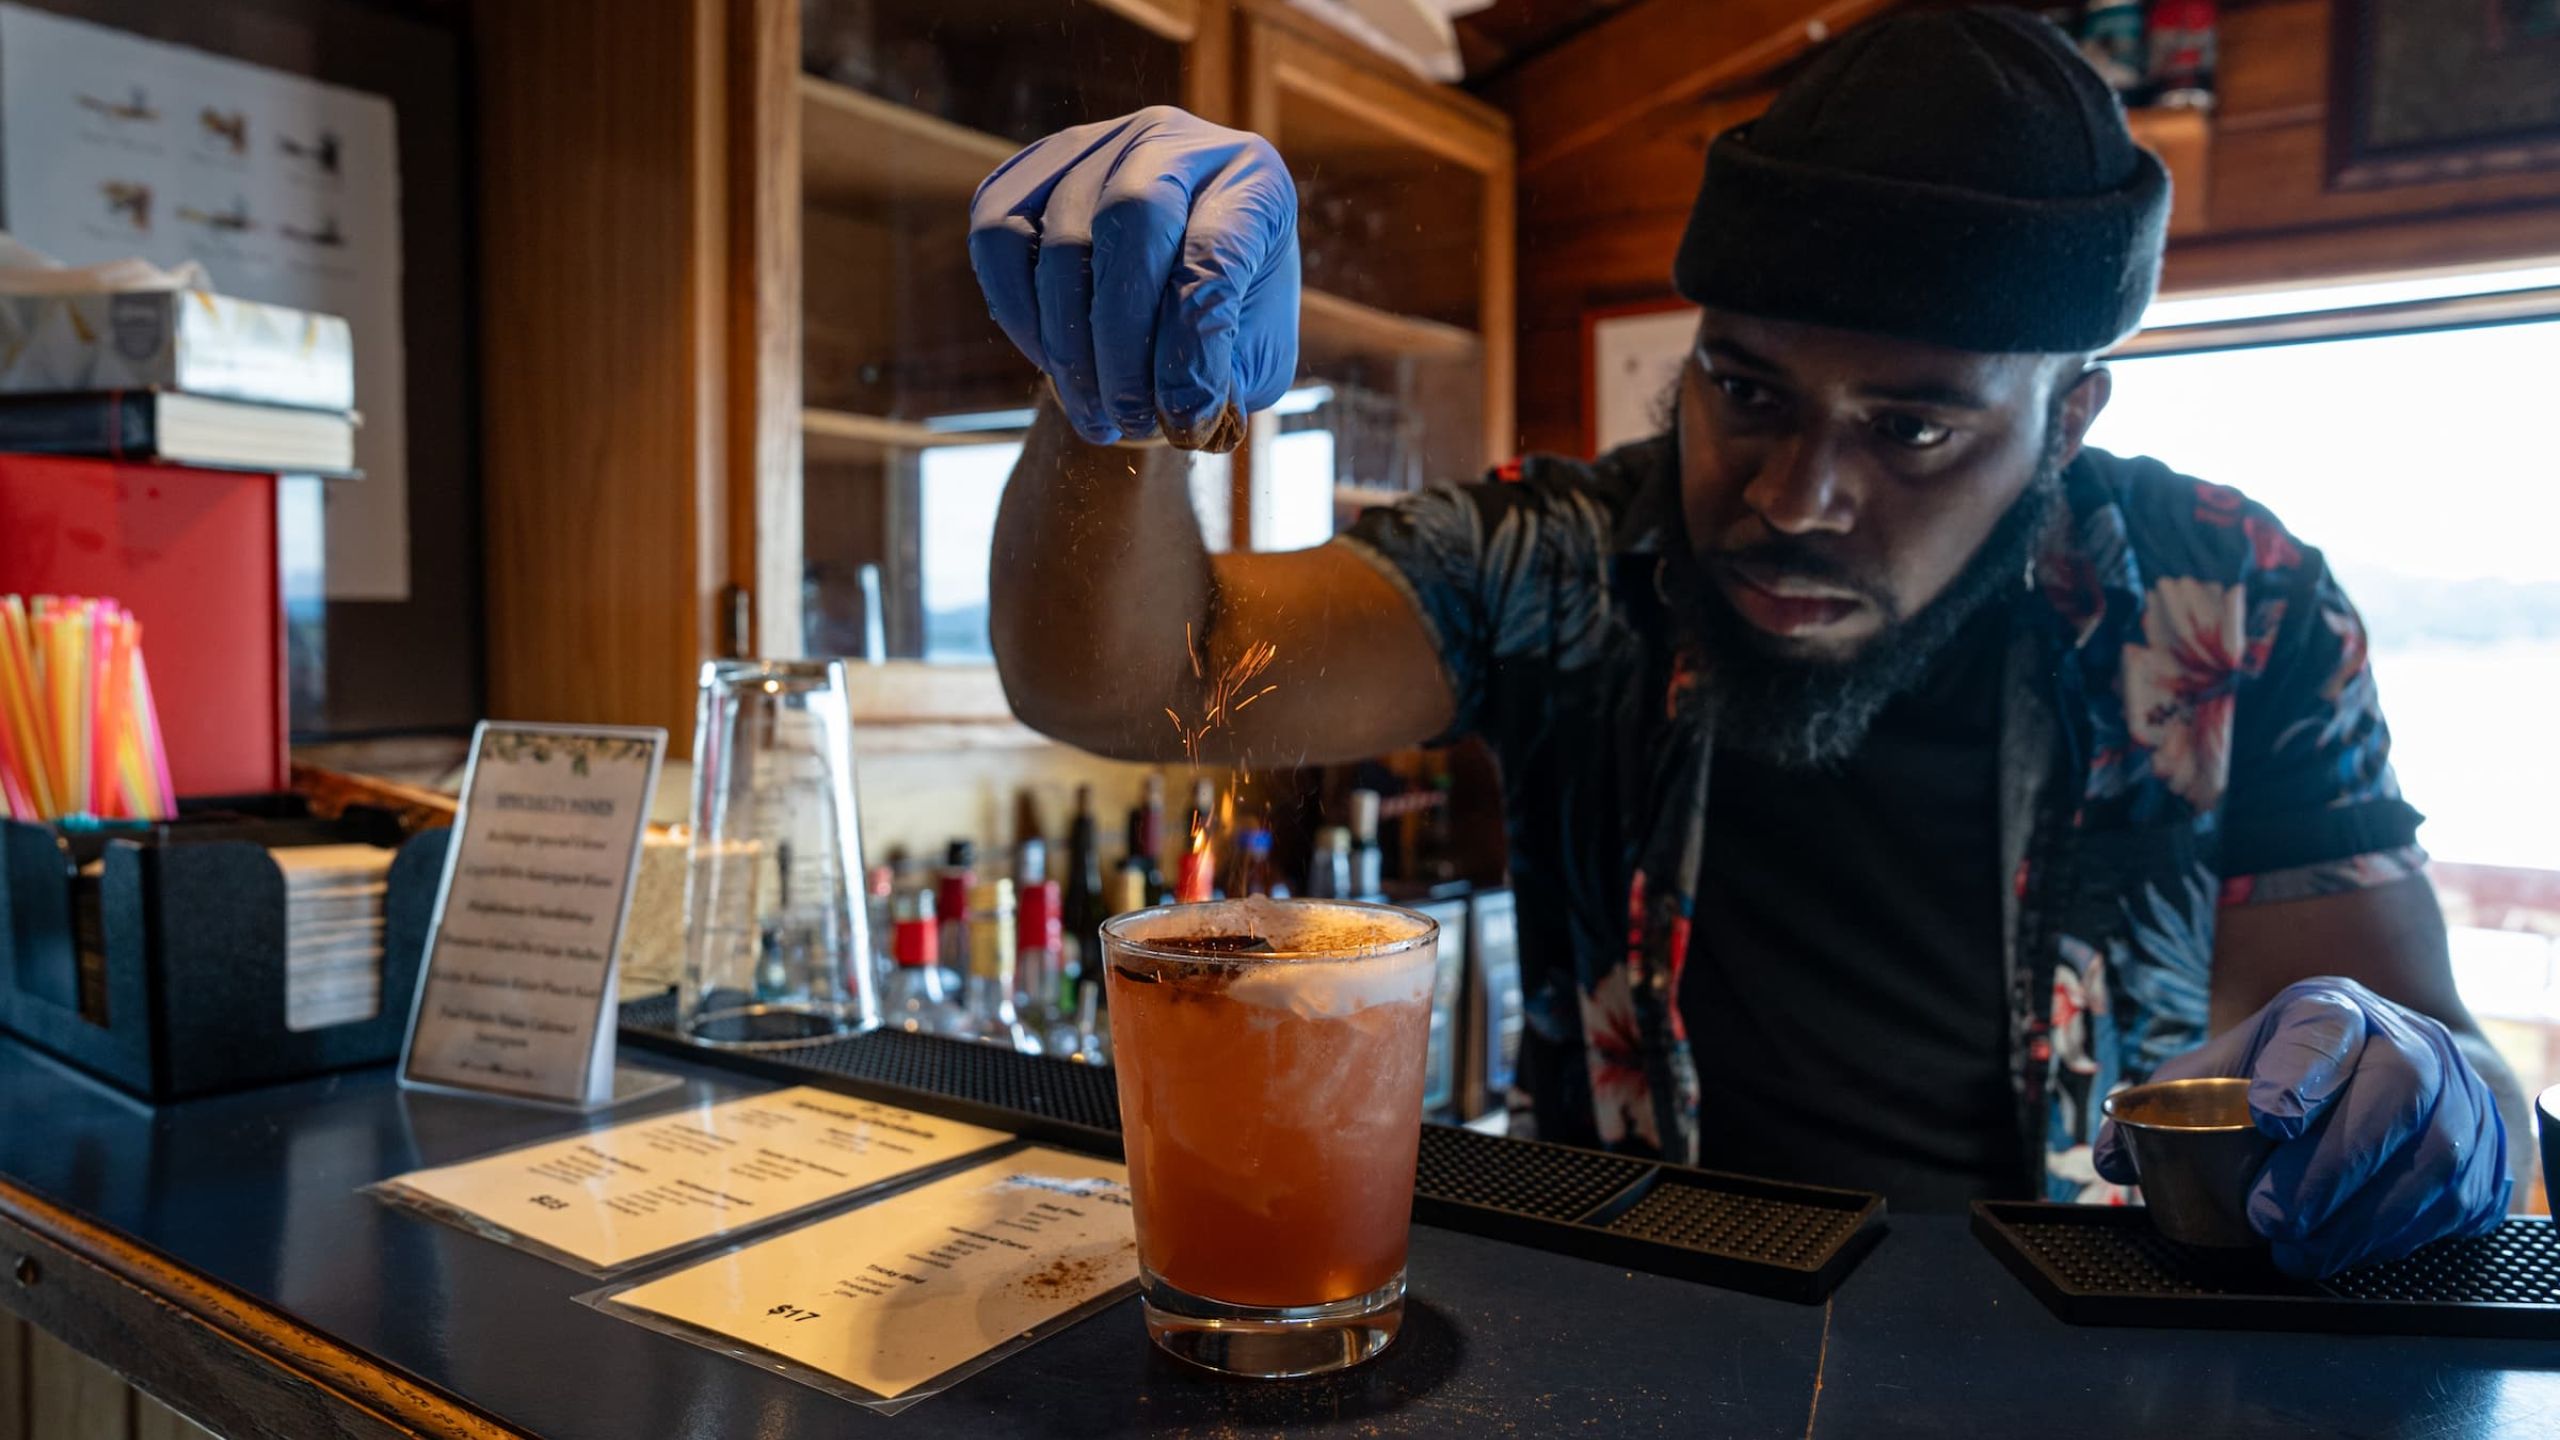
891,1301
605,1199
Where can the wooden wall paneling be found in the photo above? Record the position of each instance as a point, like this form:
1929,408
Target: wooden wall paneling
2489,240
1601,231
709,31
602,256
766,551
1654,53
2272,218
1209,87
2274,178
72,1397
2273,63
1497,311
2183,139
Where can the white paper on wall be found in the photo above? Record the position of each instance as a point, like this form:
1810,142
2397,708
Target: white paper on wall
288,191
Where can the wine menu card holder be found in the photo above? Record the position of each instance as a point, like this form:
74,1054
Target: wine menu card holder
1790,1242
157,957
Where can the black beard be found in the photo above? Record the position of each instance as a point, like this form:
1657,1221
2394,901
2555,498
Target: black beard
1805,714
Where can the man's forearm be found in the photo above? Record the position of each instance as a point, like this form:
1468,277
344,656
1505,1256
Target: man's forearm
1098,568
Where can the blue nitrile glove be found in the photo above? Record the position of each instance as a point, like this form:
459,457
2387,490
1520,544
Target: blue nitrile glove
2387,1137
1149,266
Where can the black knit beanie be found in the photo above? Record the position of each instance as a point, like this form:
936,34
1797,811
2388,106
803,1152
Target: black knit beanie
1960,177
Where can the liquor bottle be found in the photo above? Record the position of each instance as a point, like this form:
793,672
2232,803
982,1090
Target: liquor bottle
1083,912
1259,875
1151,836
1132,888
1329,870
2111,39
1039,963
880,889
1030,845
990,1017
951,886
2182,54
1142,858
1368,863
915,1000
1093,1025
1436,848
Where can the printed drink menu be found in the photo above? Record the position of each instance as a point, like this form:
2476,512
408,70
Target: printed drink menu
608,1198
517,993
923,1285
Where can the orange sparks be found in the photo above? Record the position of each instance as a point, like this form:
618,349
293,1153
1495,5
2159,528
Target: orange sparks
1228,691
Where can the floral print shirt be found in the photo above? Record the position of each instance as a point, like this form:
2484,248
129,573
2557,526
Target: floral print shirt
2187,721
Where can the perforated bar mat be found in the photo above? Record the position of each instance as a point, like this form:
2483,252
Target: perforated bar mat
2106,1265
1792,1242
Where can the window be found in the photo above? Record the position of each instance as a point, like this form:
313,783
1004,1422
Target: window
2422,465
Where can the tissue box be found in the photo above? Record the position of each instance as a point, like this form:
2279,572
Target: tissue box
190,340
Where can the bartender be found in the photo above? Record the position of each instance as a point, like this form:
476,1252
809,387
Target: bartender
1890,777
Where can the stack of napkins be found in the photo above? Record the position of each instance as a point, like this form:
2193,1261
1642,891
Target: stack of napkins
332,933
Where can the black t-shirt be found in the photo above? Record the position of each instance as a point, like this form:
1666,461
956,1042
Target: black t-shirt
1844,992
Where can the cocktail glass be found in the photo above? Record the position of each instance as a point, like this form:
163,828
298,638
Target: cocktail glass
1270,1063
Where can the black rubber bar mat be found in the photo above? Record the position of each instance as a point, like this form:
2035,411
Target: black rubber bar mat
1790,1242
2105,1265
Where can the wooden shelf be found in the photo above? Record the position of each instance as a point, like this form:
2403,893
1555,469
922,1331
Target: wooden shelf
857,149
1332,325
838,436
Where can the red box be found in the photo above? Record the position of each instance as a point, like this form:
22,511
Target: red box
192,553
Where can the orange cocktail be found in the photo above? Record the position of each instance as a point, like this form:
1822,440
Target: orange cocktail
1270,1058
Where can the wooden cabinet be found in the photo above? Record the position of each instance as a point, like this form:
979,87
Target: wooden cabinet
1405,228
607,369
737,366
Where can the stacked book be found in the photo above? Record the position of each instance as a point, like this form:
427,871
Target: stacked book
332,933
181,377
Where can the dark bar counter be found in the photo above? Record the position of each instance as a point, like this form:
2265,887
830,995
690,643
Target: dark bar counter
219,1253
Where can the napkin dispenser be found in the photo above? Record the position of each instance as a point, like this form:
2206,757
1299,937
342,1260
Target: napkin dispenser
155,957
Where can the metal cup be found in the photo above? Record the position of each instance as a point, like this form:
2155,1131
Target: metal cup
2198,1153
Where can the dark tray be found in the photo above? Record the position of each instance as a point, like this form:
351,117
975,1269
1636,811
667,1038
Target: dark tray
1790,1242
2106,1265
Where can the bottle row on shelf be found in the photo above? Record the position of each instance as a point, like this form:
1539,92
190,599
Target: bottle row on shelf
1014,960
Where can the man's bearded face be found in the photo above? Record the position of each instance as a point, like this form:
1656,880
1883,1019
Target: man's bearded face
1851,501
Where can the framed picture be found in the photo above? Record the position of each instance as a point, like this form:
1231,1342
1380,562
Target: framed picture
2442,89
1631,354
